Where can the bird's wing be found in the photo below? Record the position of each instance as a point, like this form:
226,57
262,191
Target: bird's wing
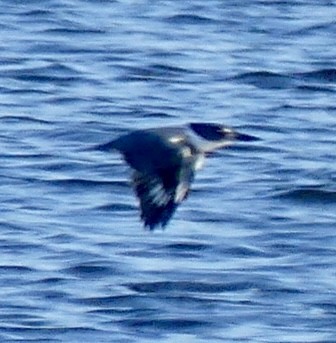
162,175
159,194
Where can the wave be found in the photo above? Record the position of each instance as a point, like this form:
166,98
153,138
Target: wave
190,19
302,80
85,183
265,79
22,119
162,72
54,72
326,75
310,194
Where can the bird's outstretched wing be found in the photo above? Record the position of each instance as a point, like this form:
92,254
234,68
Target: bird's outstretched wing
162,173
160,195
157,204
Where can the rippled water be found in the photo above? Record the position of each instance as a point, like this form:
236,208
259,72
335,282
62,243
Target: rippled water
250,257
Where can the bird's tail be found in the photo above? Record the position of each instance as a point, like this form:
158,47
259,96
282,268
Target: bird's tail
106,146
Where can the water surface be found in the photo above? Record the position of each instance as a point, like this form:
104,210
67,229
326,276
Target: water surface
250,256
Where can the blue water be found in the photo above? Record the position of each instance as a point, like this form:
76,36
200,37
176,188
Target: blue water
250,256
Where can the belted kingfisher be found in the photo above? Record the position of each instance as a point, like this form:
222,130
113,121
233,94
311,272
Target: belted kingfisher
164,161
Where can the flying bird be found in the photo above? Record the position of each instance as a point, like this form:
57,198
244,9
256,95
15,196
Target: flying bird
164,161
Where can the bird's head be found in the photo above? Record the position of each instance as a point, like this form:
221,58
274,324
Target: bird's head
212,136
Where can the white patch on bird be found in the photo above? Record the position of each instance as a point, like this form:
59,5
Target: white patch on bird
181,192
186,152
158,195
176,139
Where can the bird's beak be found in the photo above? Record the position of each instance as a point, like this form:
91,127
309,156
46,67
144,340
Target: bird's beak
242,137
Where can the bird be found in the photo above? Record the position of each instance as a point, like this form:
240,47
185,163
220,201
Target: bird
164,161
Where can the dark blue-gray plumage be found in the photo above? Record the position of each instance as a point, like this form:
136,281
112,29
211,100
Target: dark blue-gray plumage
164,161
